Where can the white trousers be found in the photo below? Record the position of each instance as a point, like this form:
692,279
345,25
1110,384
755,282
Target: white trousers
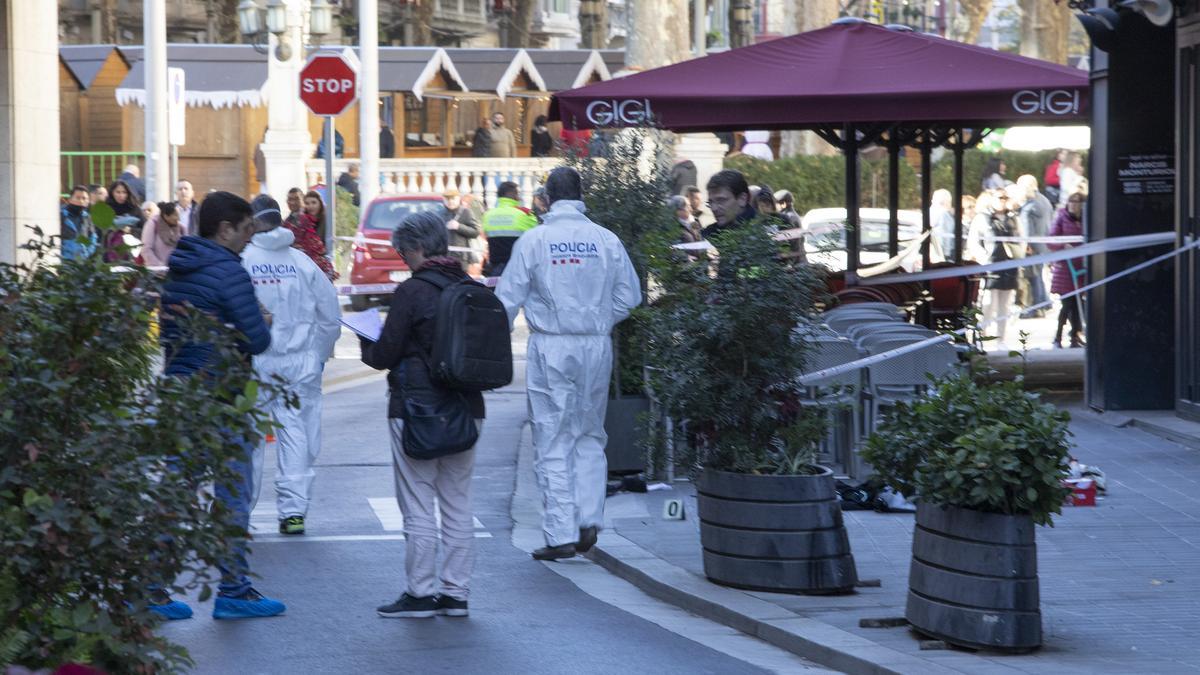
1000,305
567,380
423,488
297,444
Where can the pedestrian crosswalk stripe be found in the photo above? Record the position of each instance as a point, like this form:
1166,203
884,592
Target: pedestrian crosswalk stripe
388,512
264,518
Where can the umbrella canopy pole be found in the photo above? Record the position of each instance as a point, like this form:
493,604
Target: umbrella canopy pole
926,144
893,146
850,149
959,147
926,148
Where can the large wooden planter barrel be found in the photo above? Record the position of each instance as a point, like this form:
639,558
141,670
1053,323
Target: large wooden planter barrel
973,580
774,533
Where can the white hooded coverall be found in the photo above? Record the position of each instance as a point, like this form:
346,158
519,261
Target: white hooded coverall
304,328
576,282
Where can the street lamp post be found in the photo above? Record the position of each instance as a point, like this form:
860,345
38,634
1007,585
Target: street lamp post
285,25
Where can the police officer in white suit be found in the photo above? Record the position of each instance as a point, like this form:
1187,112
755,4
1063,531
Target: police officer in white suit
304,328
575,281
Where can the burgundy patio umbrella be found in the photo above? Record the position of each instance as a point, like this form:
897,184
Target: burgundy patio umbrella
856,72
854,84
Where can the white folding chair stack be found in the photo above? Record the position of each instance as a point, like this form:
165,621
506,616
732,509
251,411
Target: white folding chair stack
839,396
906,376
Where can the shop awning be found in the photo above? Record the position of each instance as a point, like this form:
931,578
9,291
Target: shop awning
497,71
844,73
216,75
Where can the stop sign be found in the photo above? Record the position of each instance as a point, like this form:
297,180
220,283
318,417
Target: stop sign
328,84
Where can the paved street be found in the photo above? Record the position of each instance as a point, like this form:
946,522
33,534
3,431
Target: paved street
526,616
1118,580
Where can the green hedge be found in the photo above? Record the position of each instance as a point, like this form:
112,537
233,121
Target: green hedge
819,182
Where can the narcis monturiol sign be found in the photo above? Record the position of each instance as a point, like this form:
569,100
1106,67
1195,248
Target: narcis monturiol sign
328,84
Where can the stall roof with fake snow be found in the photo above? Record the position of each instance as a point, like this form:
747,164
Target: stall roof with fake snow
497,71
564,69
220,76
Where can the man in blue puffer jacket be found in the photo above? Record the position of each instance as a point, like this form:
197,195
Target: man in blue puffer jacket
206,272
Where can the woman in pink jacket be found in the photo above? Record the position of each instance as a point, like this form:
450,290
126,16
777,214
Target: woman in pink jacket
1068,275
161,234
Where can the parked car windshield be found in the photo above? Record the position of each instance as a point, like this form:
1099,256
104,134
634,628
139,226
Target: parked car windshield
386,215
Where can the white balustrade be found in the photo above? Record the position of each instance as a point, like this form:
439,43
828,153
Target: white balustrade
479,176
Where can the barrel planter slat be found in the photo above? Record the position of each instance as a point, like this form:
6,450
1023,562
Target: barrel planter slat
973,580
774,533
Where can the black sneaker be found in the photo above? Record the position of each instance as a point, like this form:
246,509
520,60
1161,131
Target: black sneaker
587,538
555,552
448,606
408,607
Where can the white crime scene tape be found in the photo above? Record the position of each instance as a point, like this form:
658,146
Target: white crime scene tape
816,376
1090,248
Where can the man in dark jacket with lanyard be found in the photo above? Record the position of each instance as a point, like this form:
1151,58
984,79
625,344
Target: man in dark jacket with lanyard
729,200
206,273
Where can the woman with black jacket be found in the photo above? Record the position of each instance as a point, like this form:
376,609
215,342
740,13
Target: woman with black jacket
404,349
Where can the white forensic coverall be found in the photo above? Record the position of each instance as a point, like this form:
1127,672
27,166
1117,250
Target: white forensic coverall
576,282
304,328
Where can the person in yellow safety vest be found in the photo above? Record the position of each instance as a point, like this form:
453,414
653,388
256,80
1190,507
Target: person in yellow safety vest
503,225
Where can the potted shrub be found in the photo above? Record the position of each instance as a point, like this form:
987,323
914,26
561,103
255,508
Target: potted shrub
106,467
986,460
724,347
626,180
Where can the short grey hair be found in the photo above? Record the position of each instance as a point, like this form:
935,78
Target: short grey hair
677,202
424,231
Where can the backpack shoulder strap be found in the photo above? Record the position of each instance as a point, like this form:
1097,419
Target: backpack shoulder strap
434,279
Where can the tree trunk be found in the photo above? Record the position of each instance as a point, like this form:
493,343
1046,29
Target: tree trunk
741,23
668,42
422,23
812,14
976,12
108,21
1044,30
593,24
801,17
521,25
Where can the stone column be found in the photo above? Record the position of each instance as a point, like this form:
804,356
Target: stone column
288,144
29,144
705,151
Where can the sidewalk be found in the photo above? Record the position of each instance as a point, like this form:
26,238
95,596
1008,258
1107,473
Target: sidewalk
1119,581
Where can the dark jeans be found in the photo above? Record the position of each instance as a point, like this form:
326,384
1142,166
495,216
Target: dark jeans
236,497
1037,285
1069,312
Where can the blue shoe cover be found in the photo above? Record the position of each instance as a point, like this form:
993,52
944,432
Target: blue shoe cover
249,606
172,611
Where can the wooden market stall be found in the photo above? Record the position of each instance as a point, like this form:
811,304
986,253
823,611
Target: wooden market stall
226,115
90,121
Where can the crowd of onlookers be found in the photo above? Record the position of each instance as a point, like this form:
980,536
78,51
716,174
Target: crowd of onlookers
128,228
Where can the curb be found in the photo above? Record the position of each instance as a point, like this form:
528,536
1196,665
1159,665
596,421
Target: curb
808,638
1166,433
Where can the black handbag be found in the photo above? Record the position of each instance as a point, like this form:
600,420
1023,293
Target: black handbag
440,427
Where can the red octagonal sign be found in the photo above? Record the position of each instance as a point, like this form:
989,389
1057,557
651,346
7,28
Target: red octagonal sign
328,84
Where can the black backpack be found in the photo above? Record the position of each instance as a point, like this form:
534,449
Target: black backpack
472,348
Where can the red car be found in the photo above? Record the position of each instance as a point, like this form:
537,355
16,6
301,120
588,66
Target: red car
375,264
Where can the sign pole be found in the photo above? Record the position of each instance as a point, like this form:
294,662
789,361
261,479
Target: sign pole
330,187
174,167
